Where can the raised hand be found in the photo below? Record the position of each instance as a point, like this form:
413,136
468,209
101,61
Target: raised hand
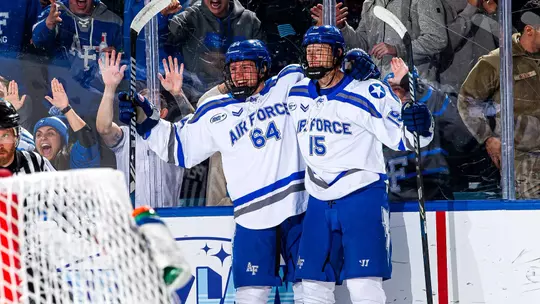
111,71
474,2
13,95
173,80
341,14
493,147
54,16
399,68
381,49
59,97
172,9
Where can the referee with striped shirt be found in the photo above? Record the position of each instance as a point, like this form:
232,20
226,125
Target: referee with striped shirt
17,162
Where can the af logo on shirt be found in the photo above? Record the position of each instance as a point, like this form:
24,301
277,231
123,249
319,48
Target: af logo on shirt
4,16
376,90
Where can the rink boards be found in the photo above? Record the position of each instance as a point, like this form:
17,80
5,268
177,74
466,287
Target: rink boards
480,251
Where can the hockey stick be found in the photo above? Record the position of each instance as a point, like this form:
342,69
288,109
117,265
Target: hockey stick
387,17
141,19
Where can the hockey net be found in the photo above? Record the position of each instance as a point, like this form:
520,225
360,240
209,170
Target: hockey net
68,237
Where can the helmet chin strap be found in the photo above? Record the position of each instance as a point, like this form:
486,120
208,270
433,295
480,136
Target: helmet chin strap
331,80
317,73
243,92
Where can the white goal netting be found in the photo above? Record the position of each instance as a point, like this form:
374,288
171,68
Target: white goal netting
68,237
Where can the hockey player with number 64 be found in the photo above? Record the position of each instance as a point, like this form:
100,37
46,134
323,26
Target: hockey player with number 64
261,162
342,125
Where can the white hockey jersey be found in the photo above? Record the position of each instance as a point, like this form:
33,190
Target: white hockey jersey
341,134
256,137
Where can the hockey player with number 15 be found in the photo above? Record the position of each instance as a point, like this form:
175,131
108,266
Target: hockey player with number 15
342,125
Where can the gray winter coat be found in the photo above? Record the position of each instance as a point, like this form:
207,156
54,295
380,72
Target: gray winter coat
426,25
472,34
204,39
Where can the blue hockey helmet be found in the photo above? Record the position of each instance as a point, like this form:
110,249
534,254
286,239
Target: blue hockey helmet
251,50
326,34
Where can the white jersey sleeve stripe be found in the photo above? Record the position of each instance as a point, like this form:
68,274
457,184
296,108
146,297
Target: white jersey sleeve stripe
210,106
299,187
180,160
171,148
292,68
302,91
358,101
270,188
321,183
270,83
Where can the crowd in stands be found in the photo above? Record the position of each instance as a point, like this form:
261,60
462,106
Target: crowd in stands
60,67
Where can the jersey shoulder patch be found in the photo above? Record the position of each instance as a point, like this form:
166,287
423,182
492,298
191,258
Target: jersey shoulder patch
370,88
300,89
375,90
212,104
291,68
268,85
213,99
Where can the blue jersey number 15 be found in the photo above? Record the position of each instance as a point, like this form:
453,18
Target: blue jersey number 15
316,146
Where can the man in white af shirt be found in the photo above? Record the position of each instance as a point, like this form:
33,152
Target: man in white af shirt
158,183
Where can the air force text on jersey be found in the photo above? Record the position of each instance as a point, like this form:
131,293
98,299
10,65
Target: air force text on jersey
325,126
262,114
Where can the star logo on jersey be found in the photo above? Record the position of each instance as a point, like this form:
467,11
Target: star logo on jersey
3,21
304,108
377,91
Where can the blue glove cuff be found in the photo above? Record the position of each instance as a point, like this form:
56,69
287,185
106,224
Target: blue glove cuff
146,126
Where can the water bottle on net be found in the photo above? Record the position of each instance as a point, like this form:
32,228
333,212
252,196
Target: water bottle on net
167,255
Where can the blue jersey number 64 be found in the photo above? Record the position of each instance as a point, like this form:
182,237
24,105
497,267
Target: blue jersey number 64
259,138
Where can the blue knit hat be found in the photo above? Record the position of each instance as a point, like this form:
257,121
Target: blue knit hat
56,123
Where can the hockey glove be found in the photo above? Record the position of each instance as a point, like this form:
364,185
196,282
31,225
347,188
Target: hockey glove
127,111
359,65
417,118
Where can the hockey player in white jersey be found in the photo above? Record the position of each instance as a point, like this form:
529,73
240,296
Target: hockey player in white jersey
342,125
261,162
